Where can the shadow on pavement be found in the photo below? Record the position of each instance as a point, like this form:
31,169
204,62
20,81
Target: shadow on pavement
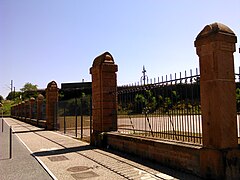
63,151
28,131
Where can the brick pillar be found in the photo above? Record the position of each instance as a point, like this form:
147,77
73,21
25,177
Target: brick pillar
215,46
23,111
51,100
19,110
12,111
104,96
32,101
39,107
27,105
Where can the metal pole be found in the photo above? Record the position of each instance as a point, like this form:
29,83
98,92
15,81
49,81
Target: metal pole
1,106
64,120
2,119
81,118
10,143
76,125
90,119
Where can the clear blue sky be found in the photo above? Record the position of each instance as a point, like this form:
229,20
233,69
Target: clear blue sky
45,40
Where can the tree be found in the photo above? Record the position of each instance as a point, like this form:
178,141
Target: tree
15,96
29,87
145,103
10,96
1,98
29,90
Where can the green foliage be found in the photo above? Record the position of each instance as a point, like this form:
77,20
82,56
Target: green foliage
29,90
75,106
6,107
144,103
238,99
29,87
172,103
1,98
14,96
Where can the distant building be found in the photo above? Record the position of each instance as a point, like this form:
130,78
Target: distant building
76,89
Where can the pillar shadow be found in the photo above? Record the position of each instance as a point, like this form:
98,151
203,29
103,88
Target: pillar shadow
63,151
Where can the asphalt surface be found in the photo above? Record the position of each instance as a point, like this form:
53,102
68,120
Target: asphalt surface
46,154
22,165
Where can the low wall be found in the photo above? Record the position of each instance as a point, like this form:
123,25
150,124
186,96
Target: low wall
179,156
40,123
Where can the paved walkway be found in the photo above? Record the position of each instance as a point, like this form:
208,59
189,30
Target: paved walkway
66,158
22,165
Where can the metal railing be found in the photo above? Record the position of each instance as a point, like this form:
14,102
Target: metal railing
74,117
237,79
167,109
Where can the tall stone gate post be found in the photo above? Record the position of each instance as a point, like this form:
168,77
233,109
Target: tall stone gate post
23,111
26,107
51,100
39,107
215,46
32,101
104,96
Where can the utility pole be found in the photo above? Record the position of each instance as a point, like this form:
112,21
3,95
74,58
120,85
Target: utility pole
11,85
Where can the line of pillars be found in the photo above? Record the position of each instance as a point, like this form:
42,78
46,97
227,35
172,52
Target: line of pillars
25,110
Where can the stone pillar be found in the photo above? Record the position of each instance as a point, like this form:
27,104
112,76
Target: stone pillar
12,111
27,105
32,101
51,100
15,110
215,46
39,107
19,110
104,96
23,111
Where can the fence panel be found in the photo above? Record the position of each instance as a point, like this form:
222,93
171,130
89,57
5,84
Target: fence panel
237,79
34,111
167,109
74,117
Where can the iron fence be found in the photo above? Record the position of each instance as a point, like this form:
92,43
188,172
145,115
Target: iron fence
34,111
74,117
167,109
237,79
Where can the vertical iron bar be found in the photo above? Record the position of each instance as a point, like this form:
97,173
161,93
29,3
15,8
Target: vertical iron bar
167,109
176,106
186,117
171,125
81,110
75,117
193,111
64,118
199,110
2,124
90,118
183,108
